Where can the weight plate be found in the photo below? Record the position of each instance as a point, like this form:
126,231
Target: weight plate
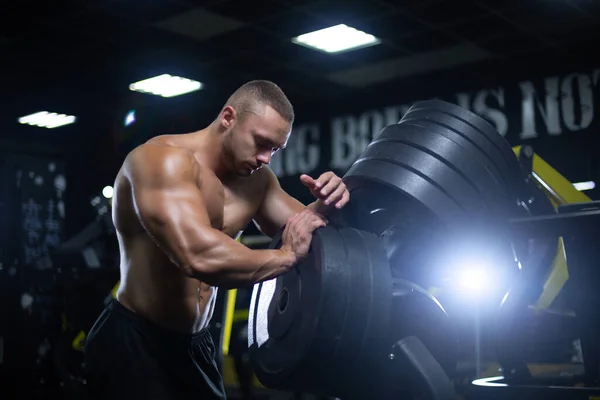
419,313
405,182
433,169
466,160
476,129
480,124
322,327
457,127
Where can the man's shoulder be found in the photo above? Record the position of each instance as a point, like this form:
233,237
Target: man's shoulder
155,159
160,155
264,178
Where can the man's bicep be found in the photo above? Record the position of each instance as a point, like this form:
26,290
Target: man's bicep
276,208
169,204
175,218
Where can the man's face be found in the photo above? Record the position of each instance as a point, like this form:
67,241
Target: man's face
255,138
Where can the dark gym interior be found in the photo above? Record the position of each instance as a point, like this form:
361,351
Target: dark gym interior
459,128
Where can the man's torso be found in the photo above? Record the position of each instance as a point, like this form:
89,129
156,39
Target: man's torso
151,284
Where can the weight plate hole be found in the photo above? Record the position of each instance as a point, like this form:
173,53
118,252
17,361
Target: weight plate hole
283,300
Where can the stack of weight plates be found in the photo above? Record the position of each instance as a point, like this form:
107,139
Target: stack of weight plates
442,172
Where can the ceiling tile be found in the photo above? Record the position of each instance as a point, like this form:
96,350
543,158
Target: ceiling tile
199,24
542,14
504,4
248,11
391,26
346,11
446,13
486,27
106,26
427,41
247,38
148,11
508,44
293,24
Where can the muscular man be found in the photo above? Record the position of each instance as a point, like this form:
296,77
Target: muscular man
179,203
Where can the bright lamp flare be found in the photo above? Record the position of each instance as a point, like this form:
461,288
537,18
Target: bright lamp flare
336,39
473,279
108,192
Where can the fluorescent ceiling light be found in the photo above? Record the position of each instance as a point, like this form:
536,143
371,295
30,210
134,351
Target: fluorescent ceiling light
581,186
336,39
45,119
166,85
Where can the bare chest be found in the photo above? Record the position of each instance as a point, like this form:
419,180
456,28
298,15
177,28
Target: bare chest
231,207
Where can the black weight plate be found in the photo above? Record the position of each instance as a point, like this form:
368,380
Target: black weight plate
356,353
458,127
472,165
471,150
416,312
434,170
481,125
406,182
338,300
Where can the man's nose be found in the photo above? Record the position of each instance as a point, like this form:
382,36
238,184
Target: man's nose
264,157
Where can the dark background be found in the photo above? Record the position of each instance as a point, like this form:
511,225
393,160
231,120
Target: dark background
530,64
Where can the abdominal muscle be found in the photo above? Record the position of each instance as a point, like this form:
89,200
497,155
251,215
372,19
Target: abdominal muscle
155,288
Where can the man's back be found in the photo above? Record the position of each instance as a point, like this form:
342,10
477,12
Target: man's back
152,285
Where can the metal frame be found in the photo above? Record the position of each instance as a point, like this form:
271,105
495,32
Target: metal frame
577,224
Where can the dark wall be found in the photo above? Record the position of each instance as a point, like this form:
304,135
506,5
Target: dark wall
551,104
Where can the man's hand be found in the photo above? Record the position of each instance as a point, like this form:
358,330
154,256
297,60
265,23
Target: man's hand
297,235
329,189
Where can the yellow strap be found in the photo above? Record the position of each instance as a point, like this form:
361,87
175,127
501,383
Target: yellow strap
229,315
115,289
79,341
560,191
228,324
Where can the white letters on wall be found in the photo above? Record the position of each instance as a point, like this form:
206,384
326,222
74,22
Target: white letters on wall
546,106
577,108
343,141
492,113
554,106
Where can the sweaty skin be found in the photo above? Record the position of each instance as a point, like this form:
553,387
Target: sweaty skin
181,200
163,196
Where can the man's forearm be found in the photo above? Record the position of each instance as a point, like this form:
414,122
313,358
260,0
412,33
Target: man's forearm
318,207
231,265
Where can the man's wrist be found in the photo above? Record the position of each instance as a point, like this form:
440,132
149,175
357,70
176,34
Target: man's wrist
318,207
288,258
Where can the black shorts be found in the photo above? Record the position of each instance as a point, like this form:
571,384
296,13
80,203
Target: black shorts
130,357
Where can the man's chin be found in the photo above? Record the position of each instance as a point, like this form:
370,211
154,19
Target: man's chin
245,172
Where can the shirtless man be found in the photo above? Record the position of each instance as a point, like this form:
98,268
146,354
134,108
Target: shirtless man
179,203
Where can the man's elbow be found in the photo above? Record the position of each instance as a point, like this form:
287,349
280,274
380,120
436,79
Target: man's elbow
269,230
202,271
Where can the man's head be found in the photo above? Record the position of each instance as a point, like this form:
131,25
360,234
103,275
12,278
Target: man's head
257,121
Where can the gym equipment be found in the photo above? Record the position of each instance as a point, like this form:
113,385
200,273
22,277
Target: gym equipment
579,225
339,325
576,227
446,158
330,313
433,181
436,185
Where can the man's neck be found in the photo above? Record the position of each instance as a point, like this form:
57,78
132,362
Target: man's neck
208,145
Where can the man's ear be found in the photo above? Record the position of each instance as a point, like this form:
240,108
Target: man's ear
228,116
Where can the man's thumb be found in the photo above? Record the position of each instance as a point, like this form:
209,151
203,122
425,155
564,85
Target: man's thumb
307,180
